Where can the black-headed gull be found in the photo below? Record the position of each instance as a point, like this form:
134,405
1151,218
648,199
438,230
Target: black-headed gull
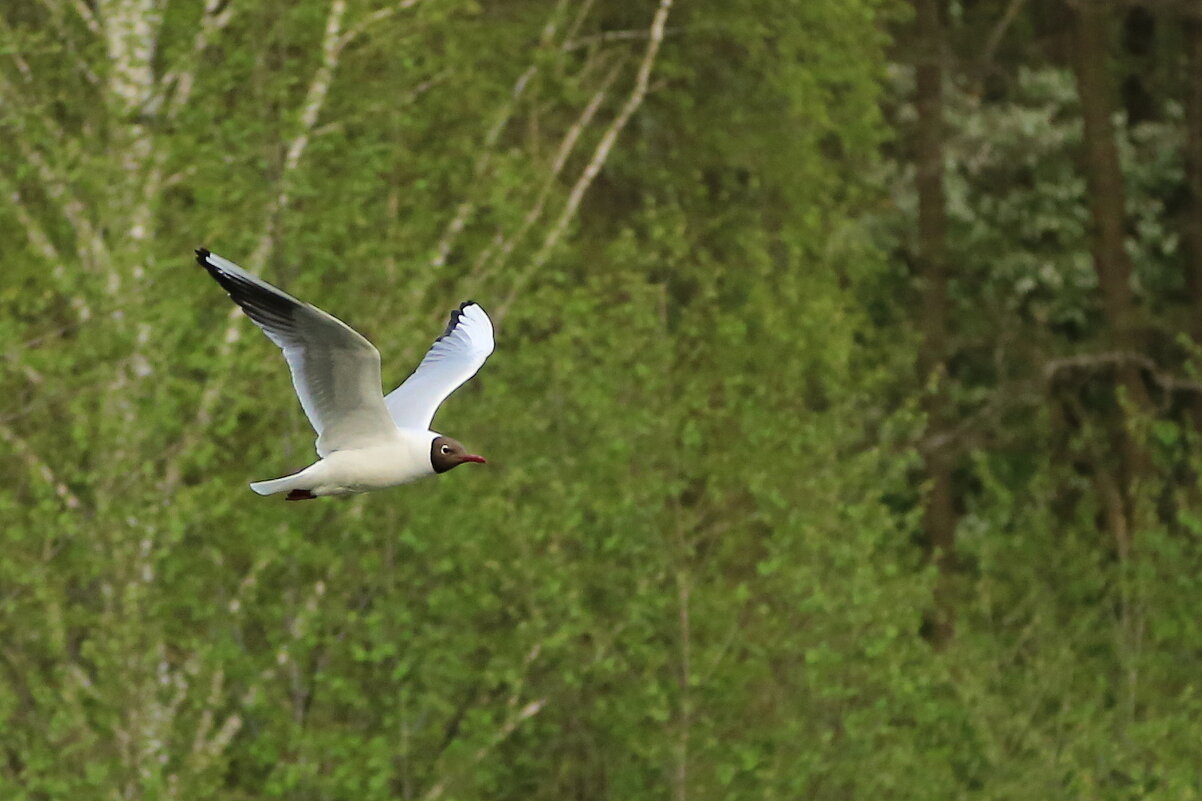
366,440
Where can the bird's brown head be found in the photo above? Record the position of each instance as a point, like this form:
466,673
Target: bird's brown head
446,453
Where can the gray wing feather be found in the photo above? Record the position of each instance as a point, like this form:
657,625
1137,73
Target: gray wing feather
336,372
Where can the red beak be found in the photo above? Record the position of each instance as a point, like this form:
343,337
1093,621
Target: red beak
471,457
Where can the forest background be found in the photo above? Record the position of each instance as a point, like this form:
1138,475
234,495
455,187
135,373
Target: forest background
844,428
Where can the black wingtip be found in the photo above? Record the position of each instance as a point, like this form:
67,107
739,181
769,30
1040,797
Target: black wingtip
202,255
454,321
455,315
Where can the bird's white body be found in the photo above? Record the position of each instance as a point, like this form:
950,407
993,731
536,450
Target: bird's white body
365,440
393,461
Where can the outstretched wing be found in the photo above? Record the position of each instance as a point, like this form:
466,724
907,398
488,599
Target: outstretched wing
455,357
336,371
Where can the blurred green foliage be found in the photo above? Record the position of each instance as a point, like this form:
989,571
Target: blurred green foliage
691,568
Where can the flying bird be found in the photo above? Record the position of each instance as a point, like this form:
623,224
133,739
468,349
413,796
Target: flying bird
365,440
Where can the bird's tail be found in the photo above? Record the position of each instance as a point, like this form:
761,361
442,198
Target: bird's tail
275,485
298,485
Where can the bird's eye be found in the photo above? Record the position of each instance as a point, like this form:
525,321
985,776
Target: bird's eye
446,449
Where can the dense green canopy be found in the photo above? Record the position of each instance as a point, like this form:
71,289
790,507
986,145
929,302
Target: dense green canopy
836,449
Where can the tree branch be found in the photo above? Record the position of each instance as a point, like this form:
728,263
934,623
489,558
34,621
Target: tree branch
39,467
130,32
179,82
82,9
455,227
55,187
38,239
600,154
999,32
1055,368
566,147
465,209
514,718
315,97
1178,8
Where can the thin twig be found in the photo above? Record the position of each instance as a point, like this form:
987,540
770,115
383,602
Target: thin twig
37,236
581,15
368,20
999,31
613,36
